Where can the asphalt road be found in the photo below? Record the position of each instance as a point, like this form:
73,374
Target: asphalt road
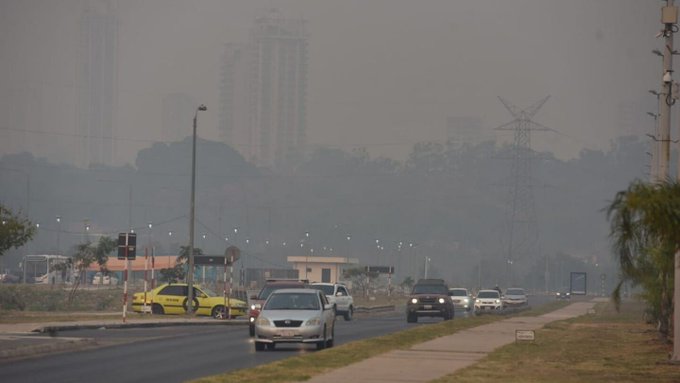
174,354
180,353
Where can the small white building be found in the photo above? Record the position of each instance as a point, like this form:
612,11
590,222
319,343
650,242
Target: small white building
321,269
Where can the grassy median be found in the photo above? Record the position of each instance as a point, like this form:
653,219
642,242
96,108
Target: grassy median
300,368
603,347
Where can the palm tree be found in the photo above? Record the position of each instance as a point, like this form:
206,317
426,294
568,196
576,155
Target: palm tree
645,220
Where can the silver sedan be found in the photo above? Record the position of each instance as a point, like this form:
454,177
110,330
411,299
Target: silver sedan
295,316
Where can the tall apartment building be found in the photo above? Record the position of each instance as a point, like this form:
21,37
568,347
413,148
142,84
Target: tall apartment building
97,83
264,90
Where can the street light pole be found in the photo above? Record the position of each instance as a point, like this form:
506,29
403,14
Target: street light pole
192,217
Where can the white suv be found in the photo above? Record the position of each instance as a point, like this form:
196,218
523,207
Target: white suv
338,295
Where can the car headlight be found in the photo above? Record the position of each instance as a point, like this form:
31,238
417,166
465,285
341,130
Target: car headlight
255,306
262,321
313,322
414,300
498,301
441,300
478,301
466,300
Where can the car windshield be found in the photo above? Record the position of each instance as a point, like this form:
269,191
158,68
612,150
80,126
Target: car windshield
267,290
429,289
292,301
208,292
488,294
514,292
457,292
327,289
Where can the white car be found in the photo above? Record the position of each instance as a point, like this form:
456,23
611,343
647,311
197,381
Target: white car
100,279
338,295
461,298
295,316
488,300
515,297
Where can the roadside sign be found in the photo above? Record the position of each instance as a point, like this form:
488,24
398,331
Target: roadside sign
127,245
232,253
525,335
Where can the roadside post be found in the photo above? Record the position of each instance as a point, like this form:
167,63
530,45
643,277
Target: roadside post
127,243
232,254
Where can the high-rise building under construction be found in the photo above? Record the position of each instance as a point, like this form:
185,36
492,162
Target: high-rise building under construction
263,92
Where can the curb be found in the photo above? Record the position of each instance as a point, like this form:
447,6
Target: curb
66,327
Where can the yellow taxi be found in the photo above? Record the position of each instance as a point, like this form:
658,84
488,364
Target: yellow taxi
171,298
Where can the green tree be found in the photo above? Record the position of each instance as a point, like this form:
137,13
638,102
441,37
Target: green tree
645,220
15,230
178,272
86,254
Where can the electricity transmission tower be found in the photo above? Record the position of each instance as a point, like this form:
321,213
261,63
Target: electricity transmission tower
522,237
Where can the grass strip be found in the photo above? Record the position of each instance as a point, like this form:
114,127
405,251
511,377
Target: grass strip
603,347
303,367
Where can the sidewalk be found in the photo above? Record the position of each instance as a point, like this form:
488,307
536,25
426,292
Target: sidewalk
443,356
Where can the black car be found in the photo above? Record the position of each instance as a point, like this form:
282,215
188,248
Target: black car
429,298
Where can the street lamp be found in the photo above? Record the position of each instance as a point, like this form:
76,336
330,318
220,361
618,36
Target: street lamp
58,234
190,274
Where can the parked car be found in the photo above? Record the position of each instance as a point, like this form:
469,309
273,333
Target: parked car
100,279
171,298
515,297
270,285
488,300
461,298
295,316
338,295
429,297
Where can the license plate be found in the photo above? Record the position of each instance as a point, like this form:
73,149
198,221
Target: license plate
427,307
287,334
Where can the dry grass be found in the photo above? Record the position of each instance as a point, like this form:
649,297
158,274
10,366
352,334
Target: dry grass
603,347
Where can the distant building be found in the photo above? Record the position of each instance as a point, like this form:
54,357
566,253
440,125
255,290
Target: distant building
178,111
321,269
263,92
97,84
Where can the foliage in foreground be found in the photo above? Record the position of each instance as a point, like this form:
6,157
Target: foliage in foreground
645,220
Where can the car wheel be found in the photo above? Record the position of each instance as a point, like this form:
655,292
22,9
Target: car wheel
330,342
218,312
411,318
259,346
251,330
322,344
349,313
157,309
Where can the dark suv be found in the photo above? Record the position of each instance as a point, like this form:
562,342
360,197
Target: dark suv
429,298
256,301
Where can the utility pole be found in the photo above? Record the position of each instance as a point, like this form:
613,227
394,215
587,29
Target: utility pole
669,19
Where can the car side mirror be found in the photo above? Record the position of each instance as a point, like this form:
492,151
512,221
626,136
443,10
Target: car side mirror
253,297
339,294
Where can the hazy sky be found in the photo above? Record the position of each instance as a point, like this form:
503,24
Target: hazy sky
384,74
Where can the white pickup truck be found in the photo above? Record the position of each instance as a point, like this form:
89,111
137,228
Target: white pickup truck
338,295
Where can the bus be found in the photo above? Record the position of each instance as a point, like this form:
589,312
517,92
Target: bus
41,269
